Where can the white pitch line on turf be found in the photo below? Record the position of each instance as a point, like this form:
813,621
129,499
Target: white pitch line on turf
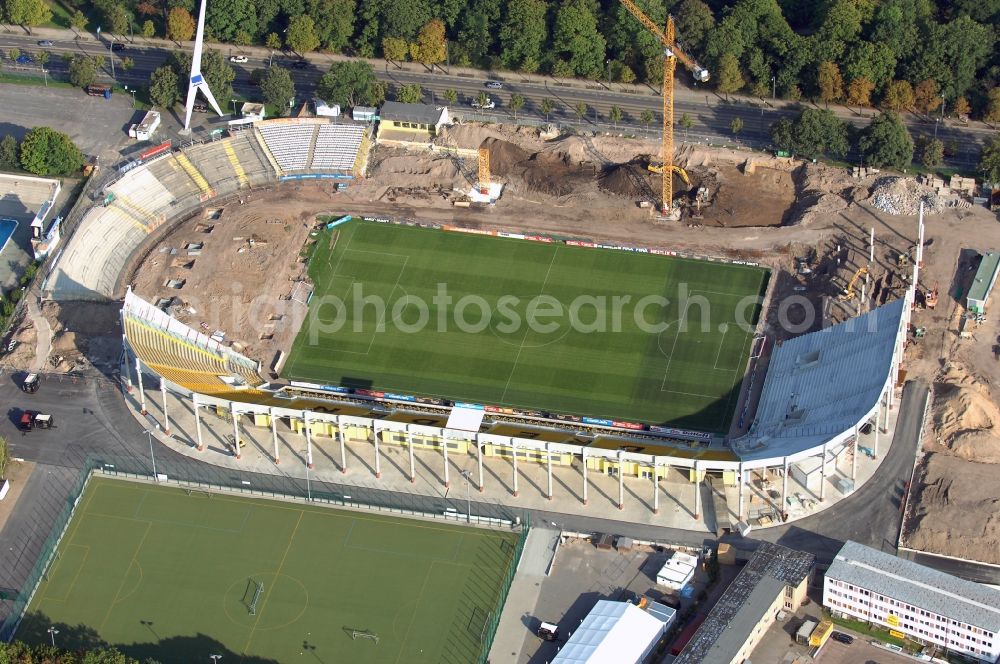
517,357
721,343
666,372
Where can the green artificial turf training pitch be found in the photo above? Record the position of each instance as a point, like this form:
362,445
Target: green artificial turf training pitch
166,575
658,375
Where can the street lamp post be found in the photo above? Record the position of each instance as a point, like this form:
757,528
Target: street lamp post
468,495
149,434
234,107
607,63
937,121
133,95
111,56
52,634
215,658
774,87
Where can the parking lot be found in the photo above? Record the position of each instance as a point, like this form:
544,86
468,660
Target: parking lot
859,652
584,574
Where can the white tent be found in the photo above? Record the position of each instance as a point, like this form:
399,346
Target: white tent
612,633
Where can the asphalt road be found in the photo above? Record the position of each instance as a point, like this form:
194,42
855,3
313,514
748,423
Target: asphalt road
712,115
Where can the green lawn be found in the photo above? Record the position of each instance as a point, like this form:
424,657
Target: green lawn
606,365
168,575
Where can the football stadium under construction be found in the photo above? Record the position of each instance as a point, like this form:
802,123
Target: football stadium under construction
798,414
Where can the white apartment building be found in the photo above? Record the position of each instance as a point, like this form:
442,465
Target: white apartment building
920,602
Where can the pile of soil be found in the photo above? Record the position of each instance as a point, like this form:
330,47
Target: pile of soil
966,418
821,191
553,173
629,180
956,509
419,171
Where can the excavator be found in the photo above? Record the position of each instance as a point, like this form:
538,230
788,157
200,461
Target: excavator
849,292
658,168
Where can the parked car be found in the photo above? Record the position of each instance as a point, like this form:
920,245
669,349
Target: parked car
846,639
45,43
490,104
117,47
31,419
239,58
24,59
300,64
199,107
494,85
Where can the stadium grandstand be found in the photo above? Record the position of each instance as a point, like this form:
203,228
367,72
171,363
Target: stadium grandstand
173,185
824,387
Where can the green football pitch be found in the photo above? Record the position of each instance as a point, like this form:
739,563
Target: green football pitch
444,314
164,574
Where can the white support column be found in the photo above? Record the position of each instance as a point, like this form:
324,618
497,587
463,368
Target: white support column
743,484
479,462
784,488
656,488
197,422
236,430
548,456
378,458
166,416
409,443
309,439
697,491
822,486
343,445
878,425
854,453
621,483
142,392
274,436
444,455
513,457
583,459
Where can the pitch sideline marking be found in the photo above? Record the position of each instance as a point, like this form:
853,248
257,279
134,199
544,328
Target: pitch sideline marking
121,584
541,289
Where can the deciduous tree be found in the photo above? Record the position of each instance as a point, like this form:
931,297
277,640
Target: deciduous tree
28,13
830,82
546,107
989,159
576,38
523,34
273,41
277,87
859,92
886,142
9,161
931,152
694,21
961,107
615,115
395,49
992,113
451,96
898,96
927,96
410,94
180,25
163,90
45,151
148,29
647,117
351,83
78,20
430,44
82,71
516,103
301,36
730,77
736,126
580,110
815,132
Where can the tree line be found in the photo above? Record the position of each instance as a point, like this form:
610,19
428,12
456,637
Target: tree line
906,55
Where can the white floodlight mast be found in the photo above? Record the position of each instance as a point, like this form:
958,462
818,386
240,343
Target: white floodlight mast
197,81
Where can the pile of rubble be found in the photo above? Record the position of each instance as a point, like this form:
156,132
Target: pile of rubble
902,196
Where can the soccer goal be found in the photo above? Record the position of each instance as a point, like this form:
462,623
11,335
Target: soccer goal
254,590
759,343
364,634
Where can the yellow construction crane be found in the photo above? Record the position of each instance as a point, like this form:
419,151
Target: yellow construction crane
849,293
672,53
484,171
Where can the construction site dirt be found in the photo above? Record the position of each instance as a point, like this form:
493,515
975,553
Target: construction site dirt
810,223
